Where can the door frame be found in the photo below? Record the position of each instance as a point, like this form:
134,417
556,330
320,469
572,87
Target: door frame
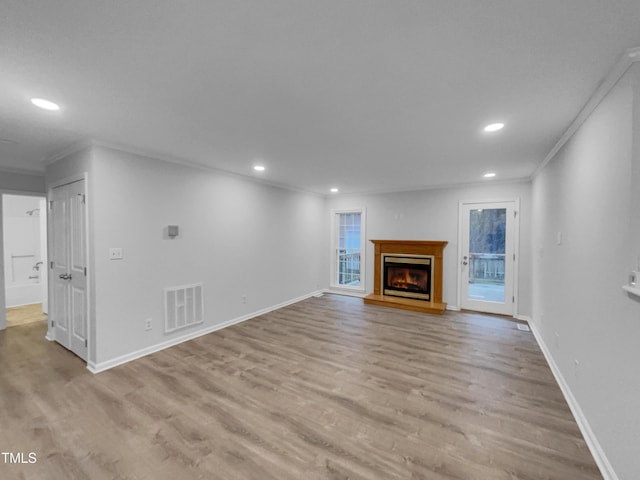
51,336
516,246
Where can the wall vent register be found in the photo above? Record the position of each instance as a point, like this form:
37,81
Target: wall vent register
183,306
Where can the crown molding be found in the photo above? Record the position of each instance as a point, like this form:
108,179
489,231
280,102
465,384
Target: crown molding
22,171
70,150
77,147
424,188
199,166
630,56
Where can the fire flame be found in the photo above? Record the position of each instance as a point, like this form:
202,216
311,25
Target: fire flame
407,279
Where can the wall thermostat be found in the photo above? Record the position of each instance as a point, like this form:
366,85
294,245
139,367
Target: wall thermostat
173,230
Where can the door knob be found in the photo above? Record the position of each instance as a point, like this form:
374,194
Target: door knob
65,276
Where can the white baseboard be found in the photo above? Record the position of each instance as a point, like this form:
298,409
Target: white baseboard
524,318
114,362
592,442
453,308
346,292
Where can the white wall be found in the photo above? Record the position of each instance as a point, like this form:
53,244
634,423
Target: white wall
237,236
12,182
21,238
589,193
433,215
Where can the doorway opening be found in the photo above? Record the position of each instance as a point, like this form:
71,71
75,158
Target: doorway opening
69,286
348,250
25,258
487,253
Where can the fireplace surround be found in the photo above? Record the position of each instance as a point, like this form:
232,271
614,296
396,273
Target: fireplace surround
408,275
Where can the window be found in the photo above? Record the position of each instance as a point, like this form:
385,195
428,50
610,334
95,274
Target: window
348,249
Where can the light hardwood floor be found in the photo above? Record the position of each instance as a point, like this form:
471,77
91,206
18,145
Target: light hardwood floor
328,388
25,314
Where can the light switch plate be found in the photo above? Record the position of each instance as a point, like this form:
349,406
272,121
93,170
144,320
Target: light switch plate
115,253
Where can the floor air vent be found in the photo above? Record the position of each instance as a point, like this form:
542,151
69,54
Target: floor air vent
183,307
523,327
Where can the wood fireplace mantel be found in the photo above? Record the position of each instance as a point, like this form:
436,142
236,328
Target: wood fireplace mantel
408,247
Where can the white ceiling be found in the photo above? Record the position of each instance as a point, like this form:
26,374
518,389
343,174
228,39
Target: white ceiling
361,94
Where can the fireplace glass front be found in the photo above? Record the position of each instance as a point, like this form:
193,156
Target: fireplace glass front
407,276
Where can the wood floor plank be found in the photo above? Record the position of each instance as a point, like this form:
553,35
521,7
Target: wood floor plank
25,314
328,388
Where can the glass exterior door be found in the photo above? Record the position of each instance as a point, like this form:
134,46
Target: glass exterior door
487,261
348,249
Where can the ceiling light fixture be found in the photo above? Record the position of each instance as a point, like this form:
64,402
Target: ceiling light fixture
45,104
259,168
334,190
489,175
494,127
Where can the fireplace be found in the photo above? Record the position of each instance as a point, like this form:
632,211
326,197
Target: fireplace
407,276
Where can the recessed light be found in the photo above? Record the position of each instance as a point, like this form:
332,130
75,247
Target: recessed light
494,127
489,175
259,168
334,190
45,104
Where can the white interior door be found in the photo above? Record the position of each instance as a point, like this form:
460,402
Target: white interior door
68,307
487,247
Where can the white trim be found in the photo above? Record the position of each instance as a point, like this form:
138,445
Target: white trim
444,186
346,292
22,171
453,308
516,253
630,56
114,362
68,151
590,438
523,318
20,193
67,180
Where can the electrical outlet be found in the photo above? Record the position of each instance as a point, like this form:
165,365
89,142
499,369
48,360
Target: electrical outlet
148,324
244,299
